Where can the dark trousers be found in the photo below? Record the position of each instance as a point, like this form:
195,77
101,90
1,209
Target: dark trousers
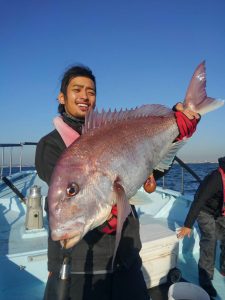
211,231
123,284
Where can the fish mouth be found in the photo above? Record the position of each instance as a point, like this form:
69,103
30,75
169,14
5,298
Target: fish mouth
67,240
69,243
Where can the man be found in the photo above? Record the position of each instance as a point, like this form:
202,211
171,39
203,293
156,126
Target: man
208,207
91,275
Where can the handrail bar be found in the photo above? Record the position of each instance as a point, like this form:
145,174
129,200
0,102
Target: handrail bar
10,153
5,145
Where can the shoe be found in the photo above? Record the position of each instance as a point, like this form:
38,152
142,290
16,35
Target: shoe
209,288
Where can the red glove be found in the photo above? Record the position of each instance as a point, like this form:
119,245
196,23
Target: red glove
110,225
185,125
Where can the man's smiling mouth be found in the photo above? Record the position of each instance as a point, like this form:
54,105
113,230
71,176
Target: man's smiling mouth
83,105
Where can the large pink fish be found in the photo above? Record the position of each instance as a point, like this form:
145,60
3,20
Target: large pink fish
111,161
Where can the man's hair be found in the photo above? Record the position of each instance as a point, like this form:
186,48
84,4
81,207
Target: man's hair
72,72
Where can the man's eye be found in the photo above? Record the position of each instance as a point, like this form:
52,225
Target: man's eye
76,90
72,189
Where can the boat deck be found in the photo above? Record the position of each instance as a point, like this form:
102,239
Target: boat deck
23,255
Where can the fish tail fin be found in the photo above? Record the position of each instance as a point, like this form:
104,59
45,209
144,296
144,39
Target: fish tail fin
196,97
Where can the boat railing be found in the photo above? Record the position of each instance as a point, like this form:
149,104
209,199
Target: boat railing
180,179
164,186
12,157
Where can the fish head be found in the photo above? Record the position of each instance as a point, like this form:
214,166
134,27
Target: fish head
79,200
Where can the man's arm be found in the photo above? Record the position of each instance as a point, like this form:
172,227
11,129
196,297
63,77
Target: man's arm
187,121
205,191
46,156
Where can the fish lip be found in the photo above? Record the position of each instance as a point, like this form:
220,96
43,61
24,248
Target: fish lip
60,235
68,243
68,232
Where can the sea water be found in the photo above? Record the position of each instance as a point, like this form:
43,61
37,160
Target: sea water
173,179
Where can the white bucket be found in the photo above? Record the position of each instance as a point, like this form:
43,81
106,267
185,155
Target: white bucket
186,291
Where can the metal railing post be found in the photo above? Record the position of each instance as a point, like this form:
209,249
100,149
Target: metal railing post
163,180
182,180
2,164
10,161
21,156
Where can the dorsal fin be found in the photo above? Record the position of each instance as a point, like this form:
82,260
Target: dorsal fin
96,119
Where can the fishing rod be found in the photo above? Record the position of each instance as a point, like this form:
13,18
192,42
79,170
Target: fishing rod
14,189
64,280
185,166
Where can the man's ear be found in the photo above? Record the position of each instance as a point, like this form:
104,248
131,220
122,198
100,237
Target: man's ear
61,98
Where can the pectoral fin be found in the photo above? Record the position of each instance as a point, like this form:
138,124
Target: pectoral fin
167,160
124,209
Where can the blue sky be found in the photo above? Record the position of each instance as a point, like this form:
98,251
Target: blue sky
141,51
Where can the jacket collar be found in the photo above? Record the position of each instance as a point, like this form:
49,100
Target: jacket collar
221,161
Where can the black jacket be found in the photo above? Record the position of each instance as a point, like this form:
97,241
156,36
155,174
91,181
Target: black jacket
94,252
208,198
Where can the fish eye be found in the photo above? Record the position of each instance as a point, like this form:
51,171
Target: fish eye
72,189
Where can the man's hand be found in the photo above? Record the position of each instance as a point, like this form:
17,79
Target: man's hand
150,184
182,232
187,121
187,112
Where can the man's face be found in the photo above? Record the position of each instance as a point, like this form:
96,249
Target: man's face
80,97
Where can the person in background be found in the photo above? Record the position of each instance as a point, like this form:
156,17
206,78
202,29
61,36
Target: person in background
90,260
208,207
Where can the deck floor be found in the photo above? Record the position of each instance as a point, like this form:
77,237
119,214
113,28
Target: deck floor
159,292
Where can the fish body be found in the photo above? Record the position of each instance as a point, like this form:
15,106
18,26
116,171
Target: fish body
111,161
